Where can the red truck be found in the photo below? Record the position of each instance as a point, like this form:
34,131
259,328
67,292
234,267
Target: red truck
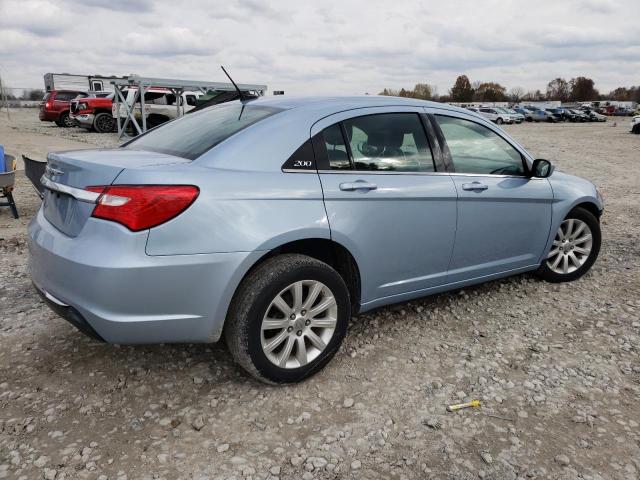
94,113
55,106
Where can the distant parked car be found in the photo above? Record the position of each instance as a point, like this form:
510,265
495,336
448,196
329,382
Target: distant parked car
494,115
565,114
515,116
55,106
94,112
579,115
527,114
539,115
594,116
635,125
557,115
623,112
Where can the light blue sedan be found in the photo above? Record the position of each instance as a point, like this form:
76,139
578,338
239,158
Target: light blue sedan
273,221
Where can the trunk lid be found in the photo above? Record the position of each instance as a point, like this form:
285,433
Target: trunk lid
85,168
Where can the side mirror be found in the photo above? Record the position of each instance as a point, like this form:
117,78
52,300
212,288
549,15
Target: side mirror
541,168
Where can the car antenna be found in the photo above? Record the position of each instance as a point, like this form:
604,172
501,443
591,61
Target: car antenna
234,83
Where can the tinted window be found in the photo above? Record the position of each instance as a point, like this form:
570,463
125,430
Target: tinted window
336,148
390,142
192,135
477,149
66,96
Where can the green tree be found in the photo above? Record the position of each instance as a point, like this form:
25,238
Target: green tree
462,91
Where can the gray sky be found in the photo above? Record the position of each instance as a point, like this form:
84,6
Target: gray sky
328,46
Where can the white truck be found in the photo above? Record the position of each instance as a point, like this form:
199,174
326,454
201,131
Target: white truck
159,105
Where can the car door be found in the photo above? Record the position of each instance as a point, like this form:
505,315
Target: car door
504,217
385,199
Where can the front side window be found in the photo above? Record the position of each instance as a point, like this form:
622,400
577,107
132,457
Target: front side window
389,142
476,149
194,134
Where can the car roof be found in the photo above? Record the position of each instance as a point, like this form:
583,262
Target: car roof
334,104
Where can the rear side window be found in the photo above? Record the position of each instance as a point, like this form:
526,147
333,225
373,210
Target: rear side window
336,148
195,133
389,142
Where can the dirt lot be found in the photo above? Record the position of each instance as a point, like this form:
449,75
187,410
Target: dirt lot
557,368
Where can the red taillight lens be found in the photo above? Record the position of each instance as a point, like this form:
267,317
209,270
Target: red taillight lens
139,207
47,105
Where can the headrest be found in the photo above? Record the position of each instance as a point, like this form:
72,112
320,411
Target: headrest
333,136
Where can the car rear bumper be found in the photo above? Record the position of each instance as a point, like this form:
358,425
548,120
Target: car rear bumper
114,291
48,116
83,119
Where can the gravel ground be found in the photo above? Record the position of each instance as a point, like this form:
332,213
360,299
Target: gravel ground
557,368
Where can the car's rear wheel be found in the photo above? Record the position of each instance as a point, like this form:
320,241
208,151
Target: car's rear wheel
103,123
288,318
65,120
575,247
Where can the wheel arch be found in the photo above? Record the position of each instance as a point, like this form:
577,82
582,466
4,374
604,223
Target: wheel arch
326,250
589,206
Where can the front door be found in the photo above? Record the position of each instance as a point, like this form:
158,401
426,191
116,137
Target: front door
385,201
504,216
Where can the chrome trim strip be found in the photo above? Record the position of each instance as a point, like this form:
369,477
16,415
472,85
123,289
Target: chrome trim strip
293,170
375,172
77,193
453,174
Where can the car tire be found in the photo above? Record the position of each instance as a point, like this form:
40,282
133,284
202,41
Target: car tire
287,350
499,121
64,120
575,248
636,129
103,123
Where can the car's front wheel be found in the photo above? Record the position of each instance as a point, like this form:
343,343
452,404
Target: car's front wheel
575,247
499,121
288,318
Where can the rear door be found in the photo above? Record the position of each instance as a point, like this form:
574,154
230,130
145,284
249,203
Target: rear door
386,199
504,217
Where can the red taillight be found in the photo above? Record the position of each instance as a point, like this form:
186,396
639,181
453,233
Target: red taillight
139,207
47,105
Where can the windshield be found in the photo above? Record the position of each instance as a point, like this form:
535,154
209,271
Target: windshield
195,133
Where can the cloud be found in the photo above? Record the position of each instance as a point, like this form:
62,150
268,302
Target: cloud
328,47
133,6
37,17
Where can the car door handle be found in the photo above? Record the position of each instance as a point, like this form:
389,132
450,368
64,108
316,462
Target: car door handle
357,185
474,186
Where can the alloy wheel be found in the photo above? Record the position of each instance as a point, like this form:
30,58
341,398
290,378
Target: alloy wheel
571,246
299,324
104,124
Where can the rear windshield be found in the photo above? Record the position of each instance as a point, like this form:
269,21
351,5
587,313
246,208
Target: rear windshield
195,133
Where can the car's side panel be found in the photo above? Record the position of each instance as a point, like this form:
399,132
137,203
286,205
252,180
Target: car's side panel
503,225
400,233
233,213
